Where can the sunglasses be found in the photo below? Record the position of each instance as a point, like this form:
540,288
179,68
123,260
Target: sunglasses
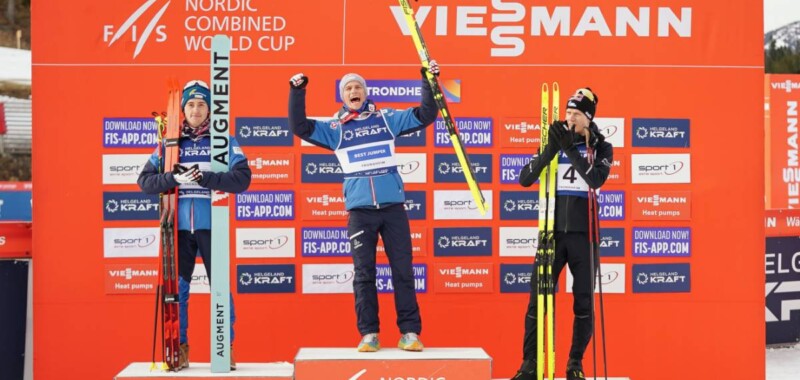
196,83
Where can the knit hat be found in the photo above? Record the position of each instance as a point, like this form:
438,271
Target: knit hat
350,77
195,89
585,101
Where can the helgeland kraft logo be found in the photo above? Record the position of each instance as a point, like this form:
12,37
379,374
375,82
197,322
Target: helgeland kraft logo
474,241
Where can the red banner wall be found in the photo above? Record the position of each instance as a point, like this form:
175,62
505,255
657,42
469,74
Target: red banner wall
680,59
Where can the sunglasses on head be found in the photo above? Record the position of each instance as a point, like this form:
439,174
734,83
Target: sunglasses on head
195,83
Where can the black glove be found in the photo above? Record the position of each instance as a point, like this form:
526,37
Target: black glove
298,81
433,68
563,136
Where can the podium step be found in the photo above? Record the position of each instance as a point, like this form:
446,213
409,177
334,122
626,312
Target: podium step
392,363
267,371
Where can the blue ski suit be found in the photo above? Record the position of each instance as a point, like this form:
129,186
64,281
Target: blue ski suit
194,208
374,195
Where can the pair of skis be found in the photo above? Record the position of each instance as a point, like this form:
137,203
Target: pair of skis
546,250
169,127
438,96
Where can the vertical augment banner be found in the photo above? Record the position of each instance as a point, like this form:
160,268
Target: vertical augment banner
220,212
783,171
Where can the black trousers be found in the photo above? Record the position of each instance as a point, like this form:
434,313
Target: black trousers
363,227
571,248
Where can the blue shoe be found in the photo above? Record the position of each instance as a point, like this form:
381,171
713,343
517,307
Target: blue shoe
410,342
369,343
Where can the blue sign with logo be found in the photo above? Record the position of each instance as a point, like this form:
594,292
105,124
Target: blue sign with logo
265,205
662,242
474,132
661,278
321,168
263,131
519,205
402,90
612,242
418,138
661,133
472,241
129,132
265,278
447,168
325,242
15,206
130,205
415,205
515,278
383,279
510,166
611,205
782,275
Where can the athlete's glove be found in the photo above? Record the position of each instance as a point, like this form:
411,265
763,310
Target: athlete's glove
184,175
433,68
298,81
563,136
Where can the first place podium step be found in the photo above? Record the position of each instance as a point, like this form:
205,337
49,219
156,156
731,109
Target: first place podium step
392,363
252,371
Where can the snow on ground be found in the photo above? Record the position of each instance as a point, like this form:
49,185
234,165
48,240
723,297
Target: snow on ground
783,363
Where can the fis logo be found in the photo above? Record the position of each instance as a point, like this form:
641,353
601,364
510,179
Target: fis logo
139,32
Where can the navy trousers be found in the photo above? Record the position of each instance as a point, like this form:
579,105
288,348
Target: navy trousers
363,227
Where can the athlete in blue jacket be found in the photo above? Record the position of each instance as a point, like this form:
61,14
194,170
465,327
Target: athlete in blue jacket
194,195
362,137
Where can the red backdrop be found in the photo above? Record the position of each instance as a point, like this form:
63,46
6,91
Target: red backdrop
709,70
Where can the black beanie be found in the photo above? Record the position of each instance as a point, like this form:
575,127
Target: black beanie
585,101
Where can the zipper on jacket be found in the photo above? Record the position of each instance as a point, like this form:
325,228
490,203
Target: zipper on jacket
374,198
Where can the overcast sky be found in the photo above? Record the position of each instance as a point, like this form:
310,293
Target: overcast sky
778,13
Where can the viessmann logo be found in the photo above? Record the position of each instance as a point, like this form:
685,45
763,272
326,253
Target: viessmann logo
507,23
787,85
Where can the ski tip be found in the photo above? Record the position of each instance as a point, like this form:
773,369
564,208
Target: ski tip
544,87
161,367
